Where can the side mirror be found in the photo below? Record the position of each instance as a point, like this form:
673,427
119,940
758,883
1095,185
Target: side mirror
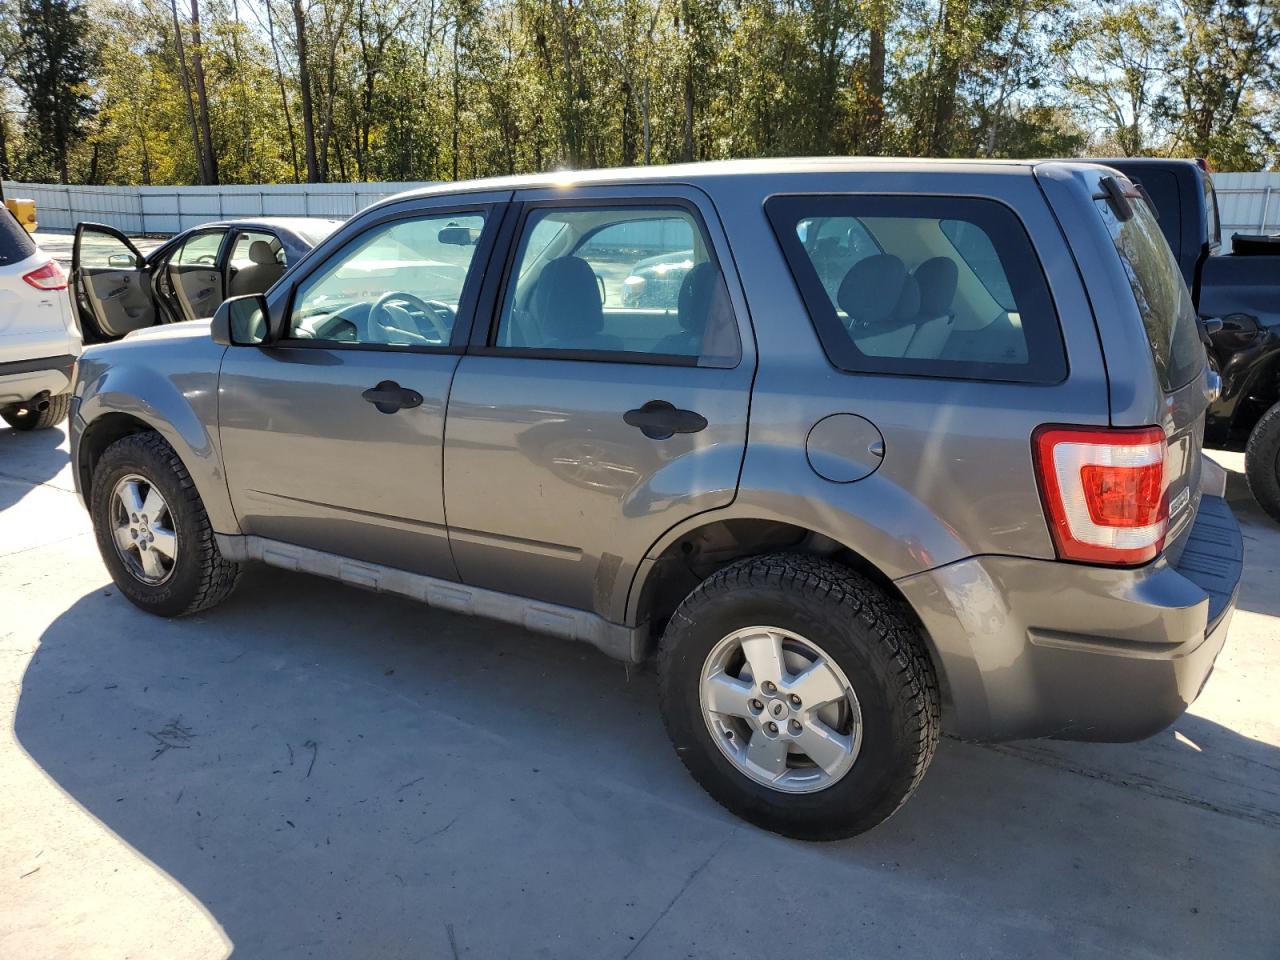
240,321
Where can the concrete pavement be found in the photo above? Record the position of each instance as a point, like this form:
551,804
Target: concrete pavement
313,771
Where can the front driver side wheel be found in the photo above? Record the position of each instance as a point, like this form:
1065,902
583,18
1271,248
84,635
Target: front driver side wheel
152,530
799,696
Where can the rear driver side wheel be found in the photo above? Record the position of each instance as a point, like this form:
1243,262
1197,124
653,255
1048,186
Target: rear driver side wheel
799,696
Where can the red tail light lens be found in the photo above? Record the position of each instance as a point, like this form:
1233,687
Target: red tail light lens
1104,492
48,277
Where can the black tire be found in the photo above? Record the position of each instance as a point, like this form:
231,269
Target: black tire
200,577
1262,462
873,643
25,418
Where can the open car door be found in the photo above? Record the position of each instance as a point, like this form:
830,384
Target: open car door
112,286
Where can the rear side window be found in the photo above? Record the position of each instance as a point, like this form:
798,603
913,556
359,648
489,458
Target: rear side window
1160,293
15,244
924,286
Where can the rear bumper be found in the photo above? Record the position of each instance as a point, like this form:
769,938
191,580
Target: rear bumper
1036,648
21,380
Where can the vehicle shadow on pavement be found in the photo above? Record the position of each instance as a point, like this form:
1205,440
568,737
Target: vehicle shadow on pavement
333,773
1261,551
27,457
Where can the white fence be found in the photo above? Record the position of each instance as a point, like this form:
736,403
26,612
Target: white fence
165,210
1248,203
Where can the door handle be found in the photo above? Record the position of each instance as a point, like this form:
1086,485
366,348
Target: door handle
388,396
659,420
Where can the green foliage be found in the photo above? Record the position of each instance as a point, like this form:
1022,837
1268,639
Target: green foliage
53,59
151,91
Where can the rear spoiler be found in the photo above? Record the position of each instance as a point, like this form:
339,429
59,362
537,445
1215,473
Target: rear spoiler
1118,193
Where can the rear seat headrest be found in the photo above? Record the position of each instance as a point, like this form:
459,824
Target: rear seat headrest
871,290
938,277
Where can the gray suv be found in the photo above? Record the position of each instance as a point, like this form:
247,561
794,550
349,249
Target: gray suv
911,445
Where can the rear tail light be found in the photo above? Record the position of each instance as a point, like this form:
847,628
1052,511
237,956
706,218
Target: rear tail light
1104,491
47,277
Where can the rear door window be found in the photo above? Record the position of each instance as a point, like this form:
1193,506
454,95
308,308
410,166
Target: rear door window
1160,293
638,282
924,286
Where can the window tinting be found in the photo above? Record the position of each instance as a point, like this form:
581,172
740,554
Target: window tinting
397,284
618,280
930,286
1160,293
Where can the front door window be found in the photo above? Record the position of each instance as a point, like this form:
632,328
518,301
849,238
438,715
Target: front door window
194,279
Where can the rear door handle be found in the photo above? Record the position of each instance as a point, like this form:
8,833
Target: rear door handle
388,397
660,420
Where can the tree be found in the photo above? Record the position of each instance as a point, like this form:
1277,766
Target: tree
1115,59
55,61
1221,66
245,91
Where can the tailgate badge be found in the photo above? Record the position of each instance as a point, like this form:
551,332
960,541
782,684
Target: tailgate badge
1177,504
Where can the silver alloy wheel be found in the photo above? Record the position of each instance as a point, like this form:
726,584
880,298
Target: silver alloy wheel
781,709
142,530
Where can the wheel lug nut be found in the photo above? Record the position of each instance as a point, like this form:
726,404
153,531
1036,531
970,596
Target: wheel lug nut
773,727
794,726
795,701
757,705
770,687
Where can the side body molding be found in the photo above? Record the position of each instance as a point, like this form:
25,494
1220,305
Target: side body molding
612,639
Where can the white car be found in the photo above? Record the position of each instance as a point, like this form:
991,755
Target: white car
39,339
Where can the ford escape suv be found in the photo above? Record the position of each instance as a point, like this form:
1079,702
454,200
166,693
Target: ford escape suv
910,445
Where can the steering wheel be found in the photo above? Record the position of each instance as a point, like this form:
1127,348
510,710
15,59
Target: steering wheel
381,311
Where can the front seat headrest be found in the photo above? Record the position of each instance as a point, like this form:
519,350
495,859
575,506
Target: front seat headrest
693,305
260,252
872,289
938,278
566,300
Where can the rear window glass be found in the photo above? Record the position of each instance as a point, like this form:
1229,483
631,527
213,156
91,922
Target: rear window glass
15,244
1160,293
925,286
